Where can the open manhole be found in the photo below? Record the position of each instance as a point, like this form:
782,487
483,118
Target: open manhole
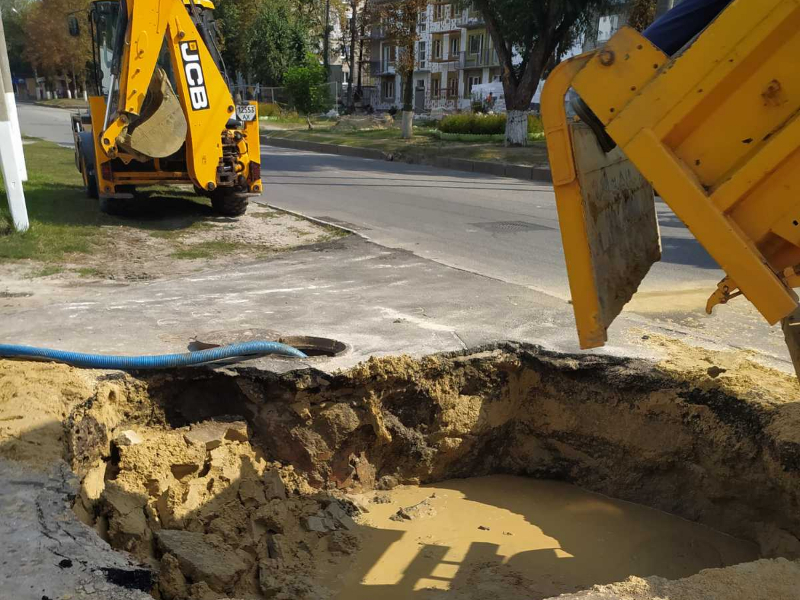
314,346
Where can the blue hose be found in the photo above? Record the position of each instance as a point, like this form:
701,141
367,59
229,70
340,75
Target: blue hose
161,361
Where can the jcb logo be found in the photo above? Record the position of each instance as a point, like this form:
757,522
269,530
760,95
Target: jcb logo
194,75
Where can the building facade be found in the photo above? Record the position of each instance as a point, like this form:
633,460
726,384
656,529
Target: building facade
454,53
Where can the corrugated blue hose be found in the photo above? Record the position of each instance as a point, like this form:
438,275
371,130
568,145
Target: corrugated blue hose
159,361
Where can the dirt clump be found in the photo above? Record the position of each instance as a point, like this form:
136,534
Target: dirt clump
202,505
35,399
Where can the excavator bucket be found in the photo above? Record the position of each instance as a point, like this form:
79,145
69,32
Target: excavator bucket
160,130
606,210
716,129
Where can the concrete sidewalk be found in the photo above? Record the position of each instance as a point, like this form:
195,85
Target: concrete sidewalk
378,301
524,172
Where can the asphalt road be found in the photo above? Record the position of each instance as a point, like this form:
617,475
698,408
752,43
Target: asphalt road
500,228
503,228
47,123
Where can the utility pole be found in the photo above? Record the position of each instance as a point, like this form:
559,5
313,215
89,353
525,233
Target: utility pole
11,104
10,164
11,158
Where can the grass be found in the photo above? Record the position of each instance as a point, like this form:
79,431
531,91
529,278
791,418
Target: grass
88,272
208,249
65,223
47,270
425,143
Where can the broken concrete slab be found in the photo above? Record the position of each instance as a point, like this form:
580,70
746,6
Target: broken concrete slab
48,552
200,560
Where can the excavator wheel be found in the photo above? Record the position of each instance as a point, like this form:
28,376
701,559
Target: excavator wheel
228,203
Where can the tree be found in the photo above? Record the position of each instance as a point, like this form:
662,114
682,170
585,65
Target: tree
641,13
399,19
13,12
307,87
529,37
48,45
277,42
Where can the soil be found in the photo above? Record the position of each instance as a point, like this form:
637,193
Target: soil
247,484
160,248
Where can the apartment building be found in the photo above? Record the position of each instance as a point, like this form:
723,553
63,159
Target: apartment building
454,52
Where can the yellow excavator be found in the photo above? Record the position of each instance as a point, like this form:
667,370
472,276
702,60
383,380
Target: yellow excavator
162,111
716,130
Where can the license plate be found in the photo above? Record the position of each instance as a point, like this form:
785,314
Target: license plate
246,112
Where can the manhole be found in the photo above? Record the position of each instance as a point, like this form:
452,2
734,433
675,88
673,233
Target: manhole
511,226
314,346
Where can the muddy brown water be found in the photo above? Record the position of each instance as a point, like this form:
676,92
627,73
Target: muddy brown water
505,535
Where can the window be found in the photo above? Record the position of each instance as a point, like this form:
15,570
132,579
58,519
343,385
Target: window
420,84
452,85
436,87
473,80
422,20
475,44
422,51
455,46
388,58
438,12
387,89
437,49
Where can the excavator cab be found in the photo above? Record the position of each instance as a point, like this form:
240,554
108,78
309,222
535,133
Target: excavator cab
716,130
162,111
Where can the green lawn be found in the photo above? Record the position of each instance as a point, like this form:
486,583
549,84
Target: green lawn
424,143
65,222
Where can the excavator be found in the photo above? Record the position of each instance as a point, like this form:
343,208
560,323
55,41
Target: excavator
162,111
715,129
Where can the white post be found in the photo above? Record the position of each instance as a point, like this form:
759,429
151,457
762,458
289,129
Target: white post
10,167
11,105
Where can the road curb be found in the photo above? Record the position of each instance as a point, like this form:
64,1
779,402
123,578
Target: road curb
499,169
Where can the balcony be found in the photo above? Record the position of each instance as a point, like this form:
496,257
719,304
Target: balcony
381,67
470,19
484,58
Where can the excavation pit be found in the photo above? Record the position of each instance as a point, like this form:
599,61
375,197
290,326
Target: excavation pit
505,472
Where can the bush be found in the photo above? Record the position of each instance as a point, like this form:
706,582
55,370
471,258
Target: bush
474,124
535,125
480,124
268,109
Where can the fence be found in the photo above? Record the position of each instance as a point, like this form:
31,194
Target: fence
281,96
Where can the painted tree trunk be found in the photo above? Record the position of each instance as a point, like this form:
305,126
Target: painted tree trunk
517,128
408,124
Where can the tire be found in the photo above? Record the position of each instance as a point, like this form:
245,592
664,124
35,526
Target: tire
229,204
89,181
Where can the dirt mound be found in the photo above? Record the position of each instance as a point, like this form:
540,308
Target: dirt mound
35,399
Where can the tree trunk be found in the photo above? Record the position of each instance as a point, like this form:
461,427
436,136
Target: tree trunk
359,89
308,120
517,128
408,105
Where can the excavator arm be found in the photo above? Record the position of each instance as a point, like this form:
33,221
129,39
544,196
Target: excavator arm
716,130
151,119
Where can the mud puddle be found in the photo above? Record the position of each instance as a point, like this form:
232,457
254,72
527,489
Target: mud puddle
515,537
